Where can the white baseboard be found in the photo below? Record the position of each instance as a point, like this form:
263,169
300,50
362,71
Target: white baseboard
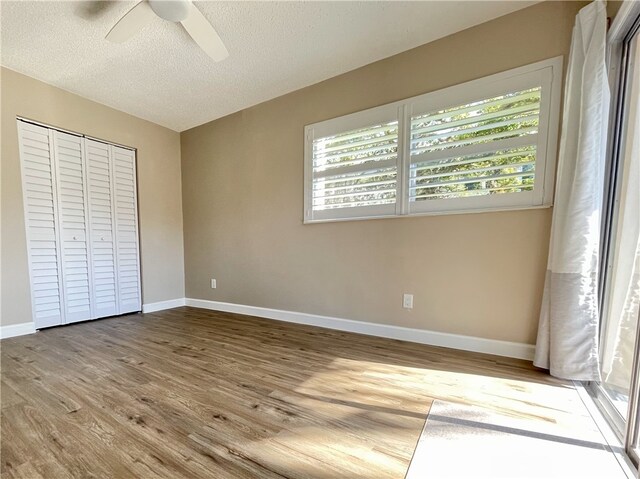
29,328
422,336
160,305
16,330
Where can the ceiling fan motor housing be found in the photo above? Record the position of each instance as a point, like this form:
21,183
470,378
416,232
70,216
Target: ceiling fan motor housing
172,10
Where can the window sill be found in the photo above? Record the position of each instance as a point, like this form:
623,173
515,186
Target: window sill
431,213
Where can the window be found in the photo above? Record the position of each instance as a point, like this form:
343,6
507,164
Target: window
354,165
488,144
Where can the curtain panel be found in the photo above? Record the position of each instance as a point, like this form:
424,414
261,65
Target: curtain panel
567,342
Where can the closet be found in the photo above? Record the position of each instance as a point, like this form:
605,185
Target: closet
80,212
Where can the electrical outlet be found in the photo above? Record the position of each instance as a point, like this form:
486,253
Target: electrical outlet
213,283
407,301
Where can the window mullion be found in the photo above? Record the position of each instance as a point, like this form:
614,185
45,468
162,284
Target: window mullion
404,130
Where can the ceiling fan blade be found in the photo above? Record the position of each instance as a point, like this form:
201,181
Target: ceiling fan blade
204,34
132,22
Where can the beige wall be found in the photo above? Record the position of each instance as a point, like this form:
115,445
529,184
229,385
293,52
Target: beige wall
159,187
612,8
473,274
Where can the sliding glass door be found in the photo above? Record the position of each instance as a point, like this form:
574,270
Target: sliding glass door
619,391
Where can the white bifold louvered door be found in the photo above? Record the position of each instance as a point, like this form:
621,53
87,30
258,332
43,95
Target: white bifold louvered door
69,165
41,220
82,226
124,189
102,228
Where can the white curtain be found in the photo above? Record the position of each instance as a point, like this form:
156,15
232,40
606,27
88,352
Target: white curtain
568,332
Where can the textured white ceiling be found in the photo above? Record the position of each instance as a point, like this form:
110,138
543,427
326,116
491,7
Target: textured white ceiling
274,48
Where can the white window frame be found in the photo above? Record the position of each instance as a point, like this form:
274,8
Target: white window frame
341,124
546,74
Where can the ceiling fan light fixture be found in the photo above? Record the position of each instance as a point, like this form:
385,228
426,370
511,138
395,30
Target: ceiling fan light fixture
171,10
178,11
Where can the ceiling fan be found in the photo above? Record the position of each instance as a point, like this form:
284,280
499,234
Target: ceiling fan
183,11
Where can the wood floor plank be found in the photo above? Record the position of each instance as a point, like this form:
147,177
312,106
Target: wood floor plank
189,393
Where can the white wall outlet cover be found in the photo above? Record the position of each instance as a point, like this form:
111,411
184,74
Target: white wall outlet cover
407,301
213,284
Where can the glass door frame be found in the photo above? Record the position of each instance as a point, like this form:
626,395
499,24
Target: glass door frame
625,27
632,432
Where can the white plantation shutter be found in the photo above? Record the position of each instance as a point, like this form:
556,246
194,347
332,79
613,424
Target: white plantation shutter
486,144
481,148
102,228
71,193
38,183
128,261
353,169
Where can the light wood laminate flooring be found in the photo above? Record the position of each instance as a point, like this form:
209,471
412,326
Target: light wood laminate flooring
190,393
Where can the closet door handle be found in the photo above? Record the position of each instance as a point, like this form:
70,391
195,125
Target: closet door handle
75,238
102,238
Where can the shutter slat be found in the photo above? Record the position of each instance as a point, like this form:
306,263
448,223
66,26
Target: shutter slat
493,155
382,139
456,132
529,131
355,170
476,170
354,204
484,191
358,163
374,183
533,107
378,150
474,180
350,194
473,106
357,133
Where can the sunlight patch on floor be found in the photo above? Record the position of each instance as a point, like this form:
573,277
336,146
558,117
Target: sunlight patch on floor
492,445
379,384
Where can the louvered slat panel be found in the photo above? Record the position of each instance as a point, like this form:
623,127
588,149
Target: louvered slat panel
40,218
73,220
102,228
128,260
357,168
486,147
